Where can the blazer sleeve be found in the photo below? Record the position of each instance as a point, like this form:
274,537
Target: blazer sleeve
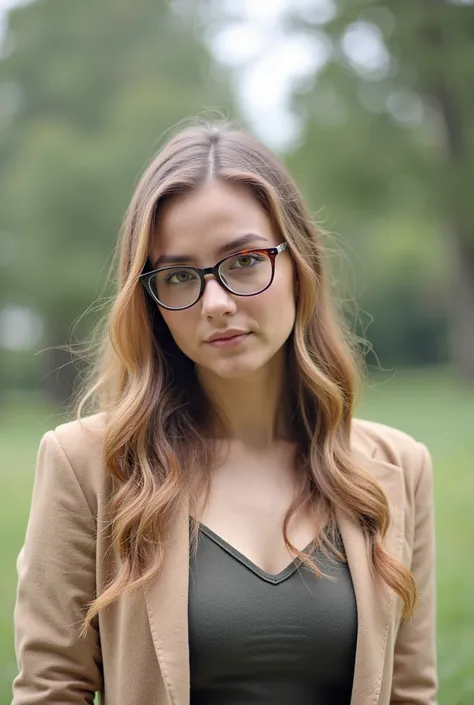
56,578
415,674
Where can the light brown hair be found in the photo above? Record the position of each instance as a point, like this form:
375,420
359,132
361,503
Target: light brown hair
158,418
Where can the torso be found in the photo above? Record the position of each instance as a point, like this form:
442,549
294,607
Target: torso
250,495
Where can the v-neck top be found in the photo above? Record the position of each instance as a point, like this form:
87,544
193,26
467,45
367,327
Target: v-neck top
257,638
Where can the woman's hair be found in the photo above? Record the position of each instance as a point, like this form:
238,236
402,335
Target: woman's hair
158,420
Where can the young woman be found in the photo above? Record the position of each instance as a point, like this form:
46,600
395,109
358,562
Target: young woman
221,529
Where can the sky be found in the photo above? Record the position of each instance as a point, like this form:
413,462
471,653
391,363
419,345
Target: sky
5,5
267,61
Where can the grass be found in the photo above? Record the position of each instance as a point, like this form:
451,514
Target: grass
431,405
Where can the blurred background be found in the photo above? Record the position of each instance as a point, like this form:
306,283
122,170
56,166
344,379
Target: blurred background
370,104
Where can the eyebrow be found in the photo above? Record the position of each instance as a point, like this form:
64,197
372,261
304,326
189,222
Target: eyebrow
228,248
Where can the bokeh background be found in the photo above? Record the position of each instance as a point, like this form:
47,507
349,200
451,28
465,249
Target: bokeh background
371,105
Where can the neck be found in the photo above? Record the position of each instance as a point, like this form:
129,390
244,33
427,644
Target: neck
252,408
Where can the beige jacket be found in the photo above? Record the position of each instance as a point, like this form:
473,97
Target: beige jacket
138,652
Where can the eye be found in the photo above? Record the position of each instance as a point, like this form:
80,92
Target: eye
179,276
246,261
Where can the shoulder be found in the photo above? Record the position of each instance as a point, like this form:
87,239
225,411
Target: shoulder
82,439
79,445
393,447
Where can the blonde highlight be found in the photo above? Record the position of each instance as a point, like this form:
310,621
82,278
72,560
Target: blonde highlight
158,419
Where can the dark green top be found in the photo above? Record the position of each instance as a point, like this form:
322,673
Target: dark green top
257,638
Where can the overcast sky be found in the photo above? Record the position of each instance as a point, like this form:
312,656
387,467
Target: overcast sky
267,61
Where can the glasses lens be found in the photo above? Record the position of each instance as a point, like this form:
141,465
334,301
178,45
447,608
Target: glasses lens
247,273
177,287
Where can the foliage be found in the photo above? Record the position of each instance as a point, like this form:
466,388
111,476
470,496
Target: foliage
97,85
388,137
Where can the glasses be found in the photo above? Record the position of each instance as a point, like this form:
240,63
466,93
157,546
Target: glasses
245,273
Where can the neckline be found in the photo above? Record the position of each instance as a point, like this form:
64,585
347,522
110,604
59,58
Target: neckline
235,553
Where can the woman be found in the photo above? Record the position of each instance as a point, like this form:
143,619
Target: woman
222,529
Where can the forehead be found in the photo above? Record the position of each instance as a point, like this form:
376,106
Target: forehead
204,219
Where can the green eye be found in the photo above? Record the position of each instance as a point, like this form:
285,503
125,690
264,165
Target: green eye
246,261
180,276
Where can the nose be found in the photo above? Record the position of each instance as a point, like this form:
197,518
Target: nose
216,301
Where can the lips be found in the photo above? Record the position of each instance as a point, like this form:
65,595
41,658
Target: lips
225,336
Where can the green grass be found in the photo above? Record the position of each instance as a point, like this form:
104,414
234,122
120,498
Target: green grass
431,405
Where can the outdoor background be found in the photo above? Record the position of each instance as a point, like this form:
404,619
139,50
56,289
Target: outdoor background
371,105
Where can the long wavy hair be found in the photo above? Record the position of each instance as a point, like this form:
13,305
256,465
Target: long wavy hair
158,418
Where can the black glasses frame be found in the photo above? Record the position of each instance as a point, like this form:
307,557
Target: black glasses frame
146,277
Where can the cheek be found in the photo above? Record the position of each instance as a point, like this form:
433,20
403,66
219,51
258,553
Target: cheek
280,297
274,310
181,325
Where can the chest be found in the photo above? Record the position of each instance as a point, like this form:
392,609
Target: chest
255,637
246,508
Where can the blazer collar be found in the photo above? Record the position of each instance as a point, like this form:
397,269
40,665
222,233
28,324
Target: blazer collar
166,596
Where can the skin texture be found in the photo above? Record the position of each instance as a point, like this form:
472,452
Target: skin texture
247,381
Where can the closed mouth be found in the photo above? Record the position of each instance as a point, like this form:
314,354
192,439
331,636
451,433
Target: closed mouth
237,334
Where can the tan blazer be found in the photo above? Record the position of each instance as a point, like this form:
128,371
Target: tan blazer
137,653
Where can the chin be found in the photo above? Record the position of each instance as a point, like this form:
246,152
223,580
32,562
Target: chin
232,371
235,368
233,374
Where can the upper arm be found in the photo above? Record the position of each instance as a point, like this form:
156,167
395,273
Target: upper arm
56,578
415,676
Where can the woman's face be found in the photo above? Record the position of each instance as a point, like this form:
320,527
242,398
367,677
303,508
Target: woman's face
197,225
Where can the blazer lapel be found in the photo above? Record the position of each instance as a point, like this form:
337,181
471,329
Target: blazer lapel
374,601
166,599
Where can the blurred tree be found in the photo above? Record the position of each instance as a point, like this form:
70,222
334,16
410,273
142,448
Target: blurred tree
390,115
90,88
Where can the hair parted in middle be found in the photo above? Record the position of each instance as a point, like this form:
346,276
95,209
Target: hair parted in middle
158,418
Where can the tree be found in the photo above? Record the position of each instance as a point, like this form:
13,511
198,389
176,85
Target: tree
93,86
395,99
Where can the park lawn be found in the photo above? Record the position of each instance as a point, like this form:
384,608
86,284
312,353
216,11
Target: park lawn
430,405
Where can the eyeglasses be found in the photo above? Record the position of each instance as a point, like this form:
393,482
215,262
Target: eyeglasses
245,273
